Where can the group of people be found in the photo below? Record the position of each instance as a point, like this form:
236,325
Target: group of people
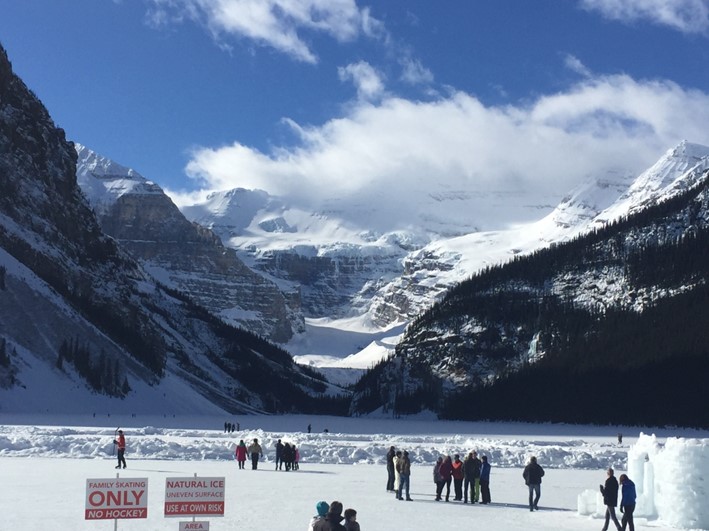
287,454
609,490
329,517
470,478
254,451
231,427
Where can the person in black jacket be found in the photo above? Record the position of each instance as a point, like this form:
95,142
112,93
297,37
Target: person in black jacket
390,469
610,499
532,475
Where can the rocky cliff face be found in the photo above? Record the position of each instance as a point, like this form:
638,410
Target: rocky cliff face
184,255
76,308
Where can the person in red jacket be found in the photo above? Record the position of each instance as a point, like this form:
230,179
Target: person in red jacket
121,446
446,472
457,474
241,453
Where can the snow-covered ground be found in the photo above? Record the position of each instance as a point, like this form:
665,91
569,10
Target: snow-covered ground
45,461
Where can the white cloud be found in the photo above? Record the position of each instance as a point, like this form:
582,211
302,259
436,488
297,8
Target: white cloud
368,81
401,149
414,73
574,63
688,16
275,23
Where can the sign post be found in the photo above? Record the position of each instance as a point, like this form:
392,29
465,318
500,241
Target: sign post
194,496
114,498
194,526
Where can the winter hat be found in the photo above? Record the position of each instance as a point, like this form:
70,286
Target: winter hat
322,508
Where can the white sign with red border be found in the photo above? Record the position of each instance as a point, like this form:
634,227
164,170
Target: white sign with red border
113,498
194,496
194,526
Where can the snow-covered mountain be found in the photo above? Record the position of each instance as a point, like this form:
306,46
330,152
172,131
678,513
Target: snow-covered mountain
618,305
82,323
353,267
183,255
350,279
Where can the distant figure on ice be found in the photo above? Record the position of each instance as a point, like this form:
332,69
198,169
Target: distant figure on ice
121,446
390,468
620,438
485,480
241,454
438,478
627,502
403,466
226,427
610,499
351,523
446,471
296,458
255,451
457,477
321,508
471,471
288,456
397,477
279,455
532,475
310,428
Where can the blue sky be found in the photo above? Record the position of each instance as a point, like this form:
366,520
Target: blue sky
297,96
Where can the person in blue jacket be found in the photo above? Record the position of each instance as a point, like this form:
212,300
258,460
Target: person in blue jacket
485,480
627,501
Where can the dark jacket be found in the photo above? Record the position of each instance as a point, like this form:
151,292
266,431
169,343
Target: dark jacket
437,477
533,474
446,470
403,466
610,492
485,472
390,458
351,525
335,522
471,467
628,492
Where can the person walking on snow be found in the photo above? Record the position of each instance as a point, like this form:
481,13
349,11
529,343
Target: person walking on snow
610,499
627,502
532,475
240,454
255,451
121,446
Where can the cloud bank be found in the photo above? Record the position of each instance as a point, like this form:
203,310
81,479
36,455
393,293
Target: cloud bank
687,16
550,145
279,24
